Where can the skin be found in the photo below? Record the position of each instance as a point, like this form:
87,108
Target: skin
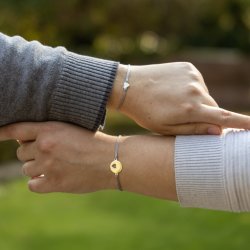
74,160
166,98
172,99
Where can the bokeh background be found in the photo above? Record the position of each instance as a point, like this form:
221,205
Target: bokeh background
212,34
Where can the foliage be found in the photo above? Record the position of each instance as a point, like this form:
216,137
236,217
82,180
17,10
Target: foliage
136,31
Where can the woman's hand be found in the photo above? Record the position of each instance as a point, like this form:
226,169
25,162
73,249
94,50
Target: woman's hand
172,98
60,157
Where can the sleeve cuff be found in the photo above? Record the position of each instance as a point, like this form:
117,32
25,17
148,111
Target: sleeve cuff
83,89
199,172
213,171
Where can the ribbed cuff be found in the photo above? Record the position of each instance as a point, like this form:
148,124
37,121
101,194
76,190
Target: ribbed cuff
237,169
214,171
199,172
83,90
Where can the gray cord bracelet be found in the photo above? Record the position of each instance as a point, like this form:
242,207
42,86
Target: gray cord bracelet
125,87
116,165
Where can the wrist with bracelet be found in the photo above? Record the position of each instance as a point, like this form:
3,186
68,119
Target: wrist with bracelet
116,166
125,88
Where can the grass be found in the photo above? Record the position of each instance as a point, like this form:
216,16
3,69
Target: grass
109,220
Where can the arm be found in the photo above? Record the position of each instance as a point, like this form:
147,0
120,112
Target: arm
40,83
75,160
172,99
202,171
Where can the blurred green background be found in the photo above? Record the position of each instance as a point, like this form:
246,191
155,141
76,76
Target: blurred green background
136,32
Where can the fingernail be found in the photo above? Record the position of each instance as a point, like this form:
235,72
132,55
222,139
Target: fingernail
214,131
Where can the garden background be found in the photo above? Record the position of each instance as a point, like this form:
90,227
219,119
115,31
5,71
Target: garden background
214,35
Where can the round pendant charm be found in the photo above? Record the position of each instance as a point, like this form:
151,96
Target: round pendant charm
116,167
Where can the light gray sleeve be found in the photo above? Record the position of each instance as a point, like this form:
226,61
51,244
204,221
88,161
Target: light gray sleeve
40,83
214,171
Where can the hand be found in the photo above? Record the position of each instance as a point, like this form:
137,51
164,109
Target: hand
172,99
60,157
71,159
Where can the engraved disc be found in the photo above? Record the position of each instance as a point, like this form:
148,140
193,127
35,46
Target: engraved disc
116,167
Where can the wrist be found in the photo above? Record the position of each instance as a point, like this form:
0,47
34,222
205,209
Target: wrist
104,156
148,166
116,92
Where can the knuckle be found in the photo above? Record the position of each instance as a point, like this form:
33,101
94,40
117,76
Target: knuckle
225,116
45,145
189,108
194,90
193,72
188,66
196,76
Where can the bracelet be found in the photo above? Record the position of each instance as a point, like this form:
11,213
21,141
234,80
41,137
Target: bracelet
116,165
125,87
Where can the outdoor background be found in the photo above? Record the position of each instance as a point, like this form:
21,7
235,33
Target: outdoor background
212,34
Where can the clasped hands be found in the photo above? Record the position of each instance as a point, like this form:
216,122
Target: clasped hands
169,99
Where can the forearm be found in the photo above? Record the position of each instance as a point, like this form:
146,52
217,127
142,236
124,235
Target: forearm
150,166
41,83
210,172
202,171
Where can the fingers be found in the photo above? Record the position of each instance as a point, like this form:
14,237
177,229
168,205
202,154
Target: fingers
224,118
26,152
193,128
208,100
39,185
25,131
32,170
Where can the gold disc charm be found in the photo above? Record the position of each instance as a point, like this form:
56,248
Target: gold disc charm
116,167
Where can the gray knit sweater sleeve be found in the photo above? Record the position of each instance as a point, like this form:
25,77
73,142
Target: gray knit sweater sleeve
40,83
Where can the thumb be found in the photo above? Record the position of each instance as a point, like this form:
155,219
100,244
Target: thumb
193,129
